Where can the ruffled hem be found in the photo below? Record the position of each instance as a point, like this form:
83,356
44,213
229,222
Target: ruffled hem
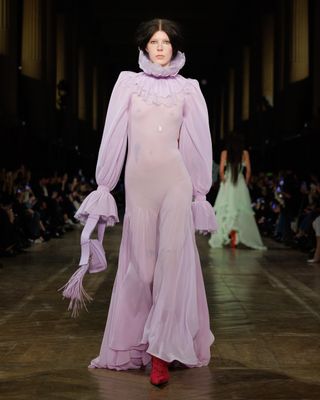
190,361
121,360
242,221
177,328
204,216
99,202
172,329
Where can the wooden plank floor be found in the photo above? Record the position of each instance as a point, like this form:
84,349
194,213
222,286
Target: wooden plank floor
264,306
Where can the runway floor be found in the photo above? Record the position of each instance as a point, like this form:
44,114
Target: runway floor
265,314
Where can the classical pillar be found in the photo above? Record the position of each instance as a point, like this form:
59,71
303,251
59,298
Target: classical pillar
32,39
4,26
280,46
49,55
50,65
72,72
316,61
231,99
299,54
95,98
267,63
61,59
82,112
245,112
8,57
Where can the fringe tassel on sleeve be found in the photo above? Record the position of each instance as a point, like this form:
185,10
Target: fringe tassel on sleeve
93,260
75,291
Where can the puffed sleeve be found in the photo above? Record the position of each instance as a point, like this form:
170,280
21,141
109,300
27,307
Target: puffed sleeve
99,208
110,158
196,148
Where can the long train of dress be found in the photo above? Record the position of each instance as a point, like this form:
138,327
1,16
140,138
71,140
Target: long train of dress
234,212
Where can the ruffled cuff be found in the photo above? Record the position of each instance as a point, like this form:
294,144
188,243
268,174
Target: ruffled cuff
99,202
204,217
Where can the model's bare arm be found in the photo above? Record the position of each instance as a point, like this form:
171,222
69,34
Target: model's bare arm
247,165
223,159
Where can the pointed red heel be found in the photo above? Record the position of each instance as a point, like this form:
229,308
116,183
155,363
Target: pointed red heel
159,372
233,237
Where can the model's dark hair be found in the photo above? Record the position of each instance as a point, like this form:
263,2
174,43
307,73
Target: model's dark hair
148,28
235,148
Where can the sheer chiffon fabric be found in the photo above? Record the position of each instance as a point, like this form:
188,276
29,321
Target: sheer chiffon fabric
158,305
234,212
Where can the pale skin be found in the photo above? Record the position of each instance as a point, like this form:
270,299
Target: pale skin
159,48
245,160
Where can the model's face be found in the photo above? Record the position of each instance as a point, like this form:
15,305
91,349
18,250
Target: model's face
159,49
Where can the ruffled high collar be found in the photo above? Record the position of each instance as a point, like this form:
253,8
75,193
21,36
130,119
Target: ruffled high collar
156,70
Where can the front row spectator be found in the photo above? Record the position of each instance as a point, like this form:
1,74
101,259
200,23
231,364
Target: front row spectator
316,227
12,238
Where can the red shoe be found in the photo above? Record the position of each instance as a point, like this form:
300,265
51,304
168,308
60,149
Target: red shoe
159,372
233,237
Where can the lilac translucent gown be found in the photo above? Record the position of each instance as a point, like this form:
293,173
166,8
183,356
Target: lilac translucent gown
158,305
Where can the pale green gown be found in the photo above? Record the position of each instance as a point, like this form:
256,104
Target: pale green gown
234,212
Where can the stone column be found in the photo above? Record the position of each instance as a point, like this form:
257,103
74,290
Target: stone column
231,99
61,60
49,54
316,62
267,63
280,46
32,39
299,51
245,112
8,57
49,64
4,26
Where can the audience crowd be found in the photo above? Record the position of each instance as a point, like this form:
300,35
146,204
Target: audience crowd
286,206
36,209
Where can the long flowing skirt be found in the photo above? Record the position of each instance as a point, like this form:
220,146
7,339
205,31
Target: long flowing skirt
234,212
158,305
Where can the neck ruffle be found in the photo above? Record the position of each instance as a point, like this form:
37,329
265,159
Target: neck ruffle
160,85
156,70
